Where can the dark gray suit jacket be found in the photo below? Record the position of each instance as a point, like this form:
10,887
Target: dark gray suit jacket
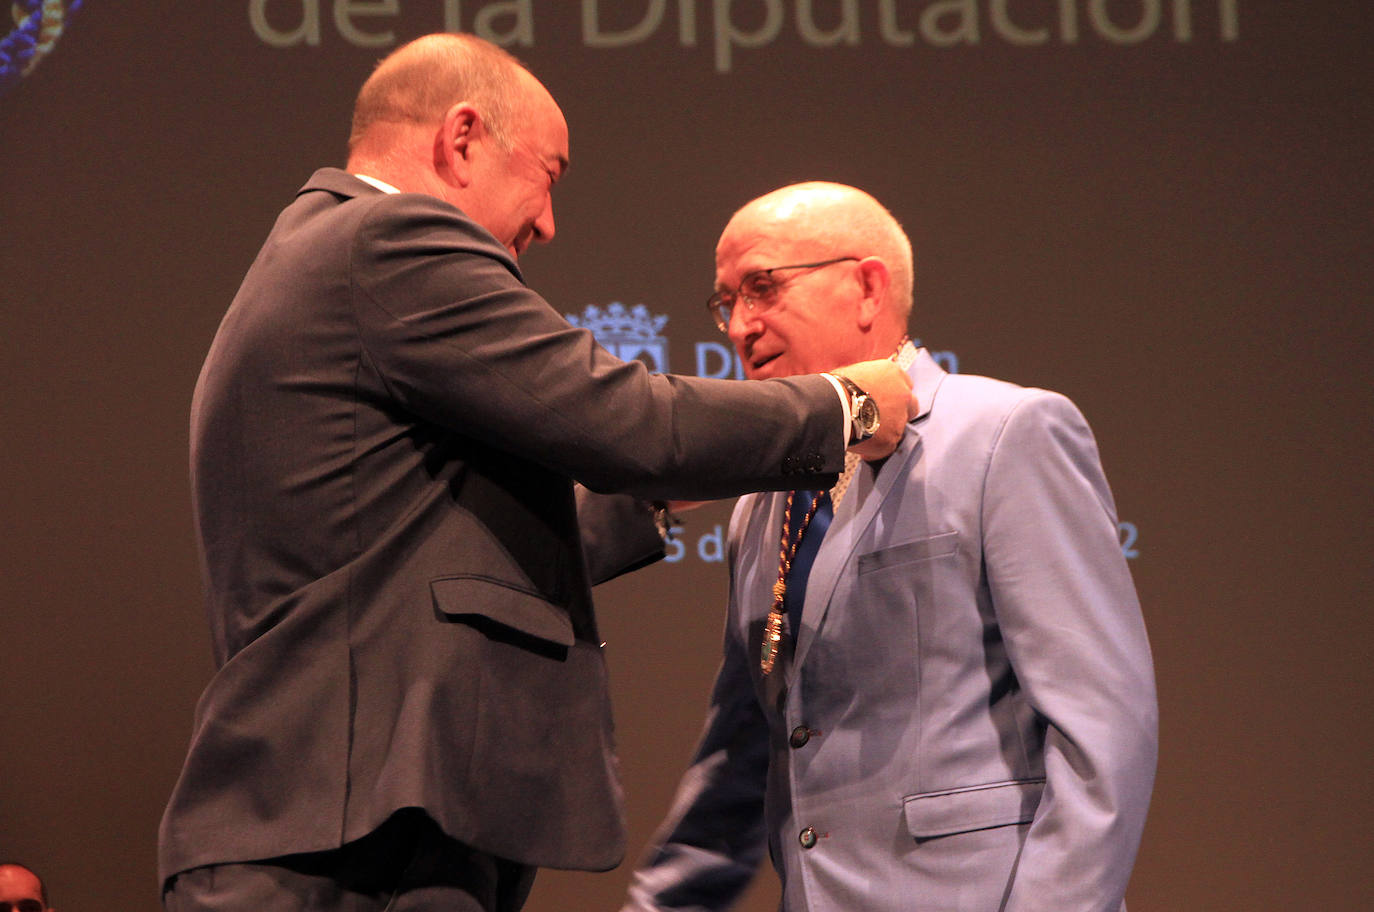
384,441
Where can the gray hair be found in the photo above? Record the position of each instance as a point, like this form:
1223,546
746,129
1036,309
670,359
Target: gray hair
419,81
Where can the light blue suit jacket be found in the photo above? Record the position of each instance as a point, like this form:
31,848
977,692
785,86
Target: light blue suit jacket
968,721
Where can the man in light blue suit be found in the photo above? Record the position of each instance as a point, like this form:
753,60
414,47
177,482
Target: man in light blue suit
960,711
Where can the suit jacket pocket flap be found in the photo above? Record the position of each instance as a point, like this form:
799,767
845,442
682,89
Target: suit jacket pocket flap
936,545
976,808
496,600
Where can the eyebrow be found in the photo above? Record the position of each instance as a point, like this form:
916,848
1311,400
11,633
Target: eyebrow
749,273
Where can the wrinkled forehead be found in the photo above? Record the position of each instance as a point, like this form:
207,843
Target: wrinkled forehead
538,118
540,101
761,237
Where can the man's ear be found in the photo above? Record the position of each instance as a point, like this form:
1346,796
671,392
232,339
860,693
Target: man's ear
874,279
454,143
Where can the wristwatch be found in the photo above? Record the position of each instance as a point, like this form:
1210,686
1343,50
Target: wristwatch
862,409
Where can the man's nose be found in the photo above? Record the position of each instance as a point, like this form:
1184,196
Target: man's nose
744,323
543,225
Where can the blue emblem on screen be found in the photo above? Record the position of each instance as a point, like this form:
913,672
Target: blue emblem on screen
629,333
37,26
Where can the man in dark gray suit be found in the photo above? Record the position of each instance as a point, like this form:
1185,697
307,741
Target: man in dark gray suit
410,708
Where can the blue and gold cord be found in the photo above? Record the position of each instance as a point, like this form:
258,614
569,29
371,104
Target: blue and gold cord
37,26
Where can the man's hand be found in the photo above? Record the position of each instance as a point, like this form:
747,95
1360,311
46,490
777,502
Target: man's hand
890,387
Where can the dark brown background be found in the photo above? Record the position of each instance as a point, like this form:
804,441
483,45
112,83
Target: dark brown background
1174,233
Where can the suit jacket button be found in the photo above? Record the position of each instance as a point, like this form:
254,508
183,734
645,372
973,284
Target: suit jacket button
807,837
800,735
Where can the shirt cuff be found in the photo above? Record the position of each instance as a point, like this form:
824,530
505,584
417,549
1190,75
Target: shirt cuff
844,404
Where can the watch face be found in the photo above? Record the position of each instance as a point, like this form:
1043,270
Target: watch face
868,415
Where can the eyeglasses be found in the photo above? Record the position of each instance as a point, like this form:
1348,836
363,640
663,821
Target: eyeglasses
24,905
757,291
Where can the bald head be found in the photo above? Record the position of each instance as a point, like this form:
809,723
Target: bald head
418,82
834,219
812,277
21,889
457,118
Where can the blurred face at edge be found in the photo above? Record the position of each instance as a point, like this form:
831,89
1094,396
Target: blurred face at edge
20,890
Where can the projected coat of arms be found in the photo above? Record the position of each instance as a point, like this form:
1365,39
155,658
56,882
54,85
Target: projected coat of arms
37,26
629,333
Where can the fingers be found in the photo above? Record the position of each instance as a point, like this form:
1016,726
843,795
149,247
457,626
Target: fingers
890,388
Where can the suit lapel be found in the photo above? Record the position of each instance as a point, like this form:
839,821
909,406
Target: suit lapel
859,508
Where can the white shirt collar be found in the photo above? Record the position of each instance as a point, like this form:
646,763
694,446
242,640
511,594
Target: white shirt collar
380,185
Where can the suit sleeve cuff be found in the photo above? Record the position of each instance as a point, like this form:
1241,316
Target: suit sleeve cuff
840,391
